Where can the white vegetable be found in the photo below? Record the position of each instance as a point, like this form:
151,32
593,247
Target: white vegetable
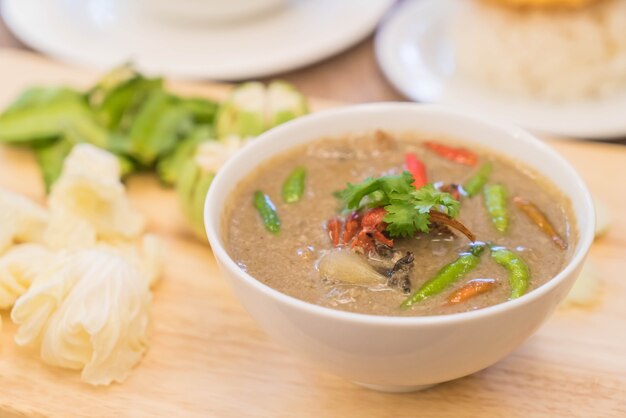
243,113
68,232
147,255
88,310
284,103
90,189
211,155
18,268
348,267
21,220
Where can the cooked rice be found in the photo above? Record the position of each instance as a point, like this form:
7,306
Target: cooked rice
556,55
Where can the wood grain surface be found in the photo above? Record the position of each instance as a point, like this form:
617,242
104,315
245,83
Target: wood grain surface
208,358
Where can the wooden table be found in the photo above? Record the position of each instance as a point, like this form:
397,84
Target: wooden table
209,358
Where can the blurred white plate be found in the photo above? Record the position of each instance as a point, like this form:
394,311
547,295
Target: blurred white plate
414,52
104,33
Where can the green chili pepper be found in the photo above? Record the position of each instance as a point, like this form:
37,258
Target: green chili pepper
267,210
293,187
495,200
473,186
446,276
517,268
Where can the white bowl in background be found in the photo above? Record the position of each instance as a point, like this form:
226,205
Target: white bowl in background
209,11
399,353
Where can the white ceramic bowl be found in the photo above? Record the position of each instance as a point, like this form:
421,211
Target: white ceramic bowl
399,353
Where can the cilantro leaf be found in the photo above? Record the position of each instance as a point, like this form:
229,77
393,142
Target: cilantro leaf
408,209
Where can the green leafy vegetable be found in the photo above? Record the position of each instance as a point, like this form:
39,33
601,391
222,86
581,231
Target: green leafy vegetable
408,209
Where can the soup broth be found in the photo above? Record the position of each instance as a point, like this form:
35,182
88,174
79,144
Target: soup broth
289,260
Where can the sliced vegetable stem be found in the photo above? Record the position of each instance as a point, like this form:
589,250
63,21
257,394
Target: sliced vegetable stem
495,201
267,210
293,187
444,278
519,274
475,184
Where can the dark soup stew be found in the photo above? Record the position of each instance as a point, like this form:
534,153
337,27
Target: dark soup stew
398,224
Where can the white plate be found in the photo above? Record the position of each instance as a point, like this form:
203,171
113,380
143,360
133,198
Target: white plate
414,52
104,33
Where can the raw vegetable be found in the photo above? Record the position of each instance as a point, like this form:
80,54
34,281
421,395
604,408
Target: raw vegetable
475,184
293,187
538,218
495,201
283,103
458,155
90,189
470,290
267,211
170,166
408,209
347,267
417,169
243,113
517,268
41,115
21,220
147,127
445,277
87,310
79,273
158,126
253,108
18,268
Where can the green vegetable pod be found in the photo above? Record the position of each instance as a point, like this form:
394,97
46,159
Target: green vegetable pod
253,108
267,211
243,113
41,115
475,184
495,201
284,102
517,268
293,187
447,276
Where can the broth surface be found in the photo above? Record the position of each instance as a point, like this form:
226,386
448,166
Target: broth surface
287,261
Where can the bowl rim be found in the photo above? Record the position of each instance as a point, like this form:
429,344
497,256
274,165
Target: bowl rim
212,226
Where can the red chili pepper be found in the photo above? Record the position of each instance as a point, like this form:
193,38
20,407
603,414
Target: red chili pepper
417,170
334,230
458,155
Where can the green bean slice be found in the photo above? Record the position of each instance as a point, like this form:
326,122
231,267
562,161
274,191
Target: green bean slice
518,270
293,187
267,210
475,184
447,276
495,201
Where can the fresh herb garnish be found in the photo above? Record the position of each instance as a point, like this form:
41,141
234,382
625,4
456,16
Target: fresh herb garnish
408,209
